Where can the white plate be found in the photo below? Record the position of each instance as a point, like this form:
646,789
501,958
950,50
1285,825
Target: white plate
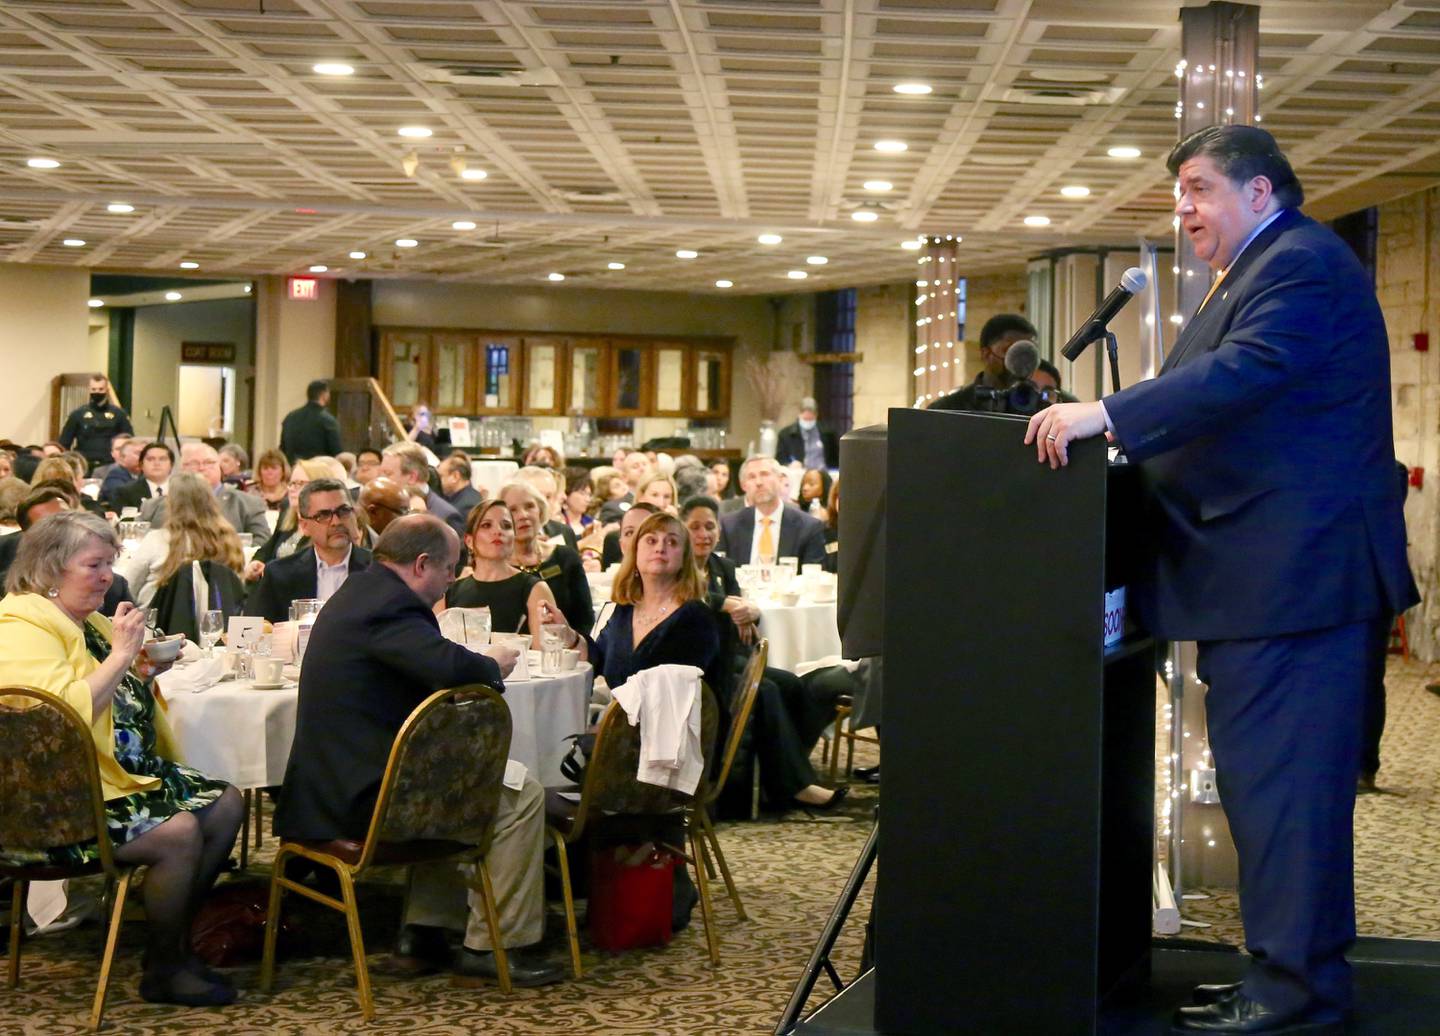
270,686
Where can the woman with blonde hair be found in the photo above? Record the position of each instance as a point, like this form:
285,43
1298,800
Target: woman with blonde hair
557,564
193,530
272,472
659,490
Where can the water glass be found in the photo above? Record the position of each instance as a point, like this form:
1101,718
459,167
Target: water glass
552,648
247,540
210,627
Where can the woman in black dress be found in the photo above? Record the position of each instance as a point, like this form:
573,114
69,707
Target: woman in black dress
517,600
559,566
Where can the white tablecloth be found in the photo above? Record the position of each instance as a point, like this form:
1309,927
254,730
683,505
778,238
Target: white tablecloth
243,735
799,633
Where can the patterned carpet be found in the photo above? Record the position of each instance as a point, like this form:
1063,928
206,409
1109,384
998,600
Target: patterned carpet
790,868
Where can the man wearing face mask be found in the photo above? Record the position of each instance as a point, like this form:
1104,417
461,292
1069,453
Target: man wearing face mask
91,428
807,441
998,334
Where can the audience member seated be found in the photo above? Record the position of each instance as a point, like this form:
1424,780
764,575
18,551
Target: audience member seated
767,529
542,457
289,537
12,491
815,492
234,465
549,483
117,449
617,543
518,601
384,656
455,484
367,466
244,512
62,469
383,500
658,490
997,335
788,720
635,468
557,564
405,462
194,530
327,519
575,504
125,471
7,464
420,428
724,484
831,561
43,500
692,480
177,822
272,472
156,462
660,614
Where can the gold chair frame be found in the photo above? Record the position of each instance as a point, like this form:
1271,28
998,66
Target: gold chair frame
649,800
117,876
373,852
844,729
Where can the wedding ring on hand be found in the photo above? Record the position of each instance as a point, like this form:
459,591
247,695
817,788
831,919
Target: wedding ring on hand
1051,437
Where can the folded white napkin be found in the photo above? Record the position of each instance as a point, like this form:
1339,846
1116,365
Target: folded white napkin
522,667
828,661
515,774
202,675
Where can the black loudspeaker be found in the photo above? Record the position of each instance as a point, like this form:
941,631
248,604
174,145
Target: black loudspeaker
861,607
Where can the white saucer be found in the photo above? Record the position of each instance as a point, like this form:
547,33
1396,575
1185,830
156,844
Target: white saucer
270,686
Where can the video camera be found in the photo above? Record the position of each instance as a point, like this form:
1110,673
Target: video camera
1022,396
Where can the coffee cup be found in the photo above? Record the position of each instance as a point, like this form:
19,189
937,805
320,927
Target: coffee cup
569,660
269,670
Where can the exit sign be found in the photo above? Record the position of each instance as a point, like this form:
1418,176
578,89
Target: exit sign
304,289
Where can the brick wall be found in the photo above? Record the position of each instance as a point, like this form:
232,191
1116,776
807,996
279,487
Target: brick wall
884,332
1407,281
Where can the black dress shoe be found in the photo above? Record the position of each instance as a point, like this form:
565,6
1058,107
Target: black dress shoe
180,986
527,967
1215,992
838,796
1237,1013
867,774
420,950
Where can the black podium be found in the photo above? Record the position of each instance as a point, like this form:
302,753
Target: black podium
1014,887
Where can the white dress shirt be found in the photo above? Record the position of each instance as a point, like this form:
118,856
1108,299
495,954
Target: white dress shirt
329,578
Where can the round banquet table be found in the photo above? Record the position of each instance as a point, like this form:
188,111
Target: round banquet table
242,734
804,632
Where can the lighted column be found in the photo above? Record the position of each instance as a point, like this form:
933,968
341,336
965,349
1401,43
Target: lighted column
939,361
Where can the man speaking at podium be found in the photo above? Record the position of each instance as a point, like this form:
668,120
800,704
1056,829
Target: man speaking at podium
1278,545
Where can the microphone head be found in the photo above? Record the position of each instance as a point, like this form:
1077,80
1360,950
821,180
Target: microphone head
1133,280
1022,358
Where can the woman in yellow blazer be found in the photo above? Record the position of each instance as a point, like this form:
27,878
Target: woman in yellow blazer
177,822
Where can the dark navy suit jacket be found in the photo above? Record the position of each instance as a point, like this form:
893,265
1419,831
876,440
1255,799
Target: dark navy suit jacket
1268,453
293,579
801,536
375,653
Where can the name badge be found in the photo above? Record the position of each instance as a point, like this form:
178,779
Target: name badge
549,571
832,548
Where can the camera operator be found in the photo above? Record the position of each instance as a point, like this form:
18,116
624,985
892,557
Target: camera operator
1047,380
1019,394
996,337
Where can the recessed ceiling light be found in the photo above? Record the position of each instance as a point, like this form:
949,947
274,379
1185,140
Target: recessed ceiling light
469,173
333,68
864,215
891,146
911,246
769,239
917,89
1124,152
724,284
74,242
1075,191
173,296
878,186
357,255
816,260
463,224
189,264
686,253
42,163
615,266
797,275
406,242
415,131
556,277
96,303
1037,221
119,208
319,268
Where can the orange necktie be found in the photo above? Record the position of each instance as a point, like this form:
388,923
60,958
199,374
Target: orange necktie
767,540
1212,288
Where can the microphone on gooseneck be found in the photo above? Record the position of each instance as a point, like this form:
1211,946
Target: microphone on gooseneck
1021,359
1132,282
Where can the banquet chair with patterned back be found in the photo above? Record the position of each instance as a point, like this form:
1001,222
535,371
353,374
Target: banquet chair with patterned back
50,796
438,799
712,786
610,789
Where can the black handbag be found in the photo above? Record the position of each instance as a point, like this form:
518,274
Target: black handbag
572,767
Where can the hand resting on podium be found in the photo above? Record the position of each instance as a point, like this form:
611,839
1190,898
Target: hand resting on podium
1053,429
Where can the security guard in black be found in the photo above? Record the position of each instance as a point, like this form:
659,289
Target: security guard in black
90,428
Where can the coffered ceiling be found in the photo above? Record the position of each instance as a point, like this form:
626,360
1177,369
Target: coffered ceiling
622,131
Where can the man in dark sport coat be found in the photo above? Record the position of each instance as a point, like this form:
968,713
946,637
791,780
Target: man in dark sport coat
1279,546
